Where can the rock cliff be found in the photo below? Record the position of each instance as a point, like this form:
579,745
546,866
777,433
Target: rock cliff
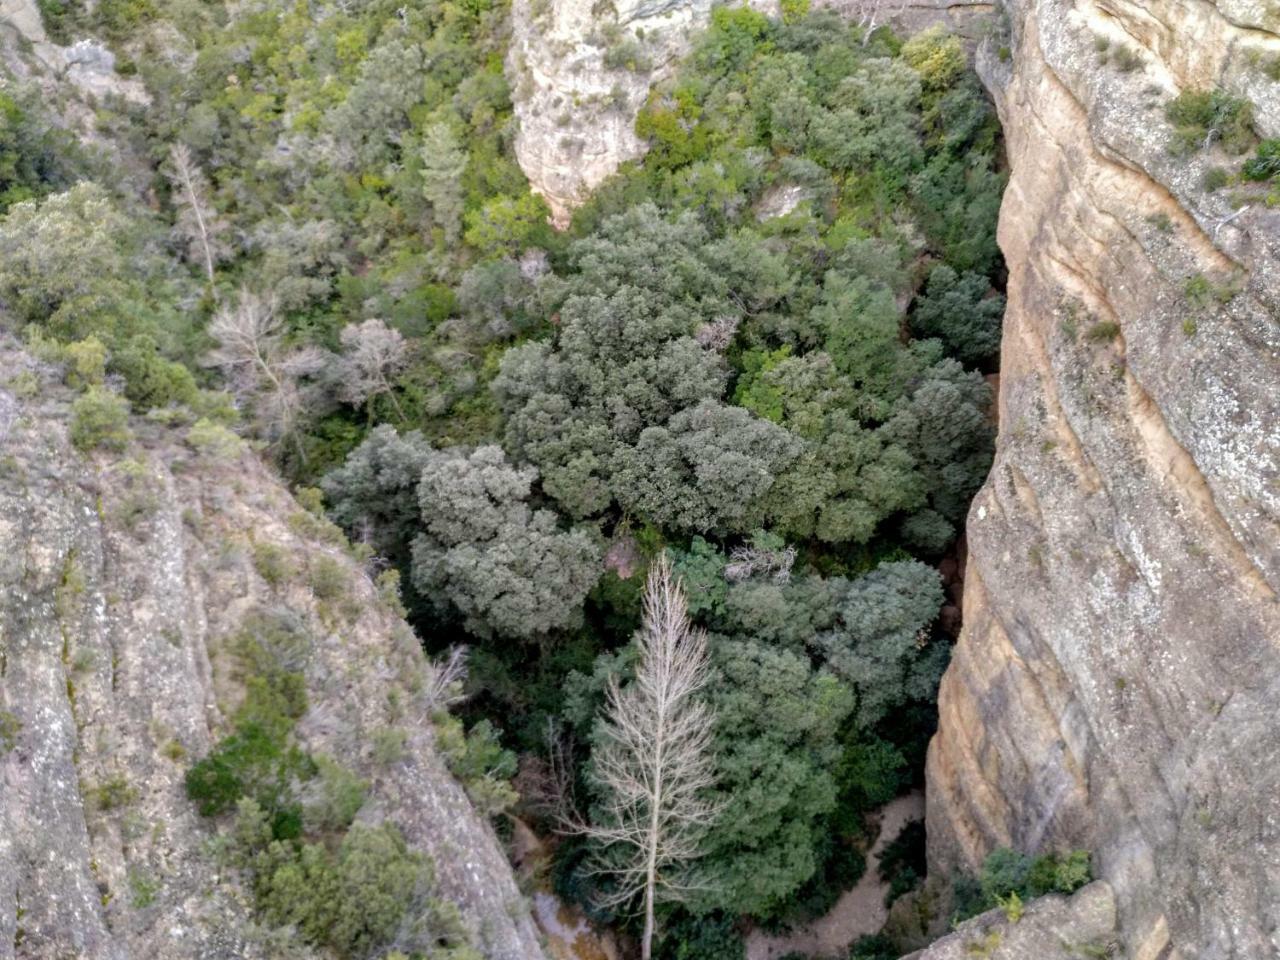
1117,678
1049,928
123,580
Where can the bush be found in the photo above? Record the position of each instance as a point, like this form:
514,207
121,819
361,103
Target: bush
213,440
272,563
10,727
86,362
902,863
327,578
1202,117
1265,164
1007,873
100,419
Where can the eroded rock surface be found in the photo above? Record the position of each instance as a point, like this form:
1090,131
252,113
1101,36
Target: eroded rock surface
1117,680
124,579
1049,928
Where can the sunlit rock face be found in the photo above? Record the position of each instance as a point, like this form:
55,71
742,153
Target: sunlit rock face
1117,681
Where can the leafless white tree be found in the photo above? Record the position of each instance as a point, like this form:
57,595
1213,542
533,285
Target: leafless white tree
444,680
748,560
198,223
373,354
259,368
717,334
654,761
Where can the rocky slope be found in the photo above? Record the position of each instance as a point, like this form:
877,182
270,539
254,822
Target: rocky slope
1116,682
123,579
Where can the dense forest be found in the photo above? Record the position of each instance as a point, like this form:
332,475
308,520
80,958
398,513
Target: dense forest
751,371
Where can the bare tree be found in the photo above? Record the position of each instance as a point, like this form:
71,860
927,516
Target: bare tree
373,355
198,222
653,762
748,560
261,370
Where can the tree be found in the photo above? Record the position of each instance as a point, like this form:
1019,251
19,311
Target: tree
708,469
881,643
373,356
198,223
653,764
260,368
507,568
374,494
956,309
443,164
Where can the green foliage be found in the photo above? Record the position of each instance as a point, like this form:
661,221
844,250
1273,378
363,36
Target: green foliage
1007,875
272,562
10,727
874,947
956,309
710,937
1203,117
505,226
86,362
36,156
507,568
213,440
112,794
1102,331
480,762
100,420
1265,163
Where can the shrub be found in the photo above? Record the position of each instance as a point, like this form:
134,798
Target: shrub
10,727
1202,117
100,419
341,794
1265,164
1103,331
112,794
272,563
1007,874
1215,178
214,440
902,862
86,362
327,578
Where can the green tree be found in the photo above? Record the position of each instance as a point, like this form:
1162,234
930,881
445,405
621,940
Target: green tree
508,568
956,309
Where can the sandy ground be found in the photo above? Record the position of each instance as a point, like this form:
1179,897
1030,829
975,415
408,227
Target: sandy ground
858,912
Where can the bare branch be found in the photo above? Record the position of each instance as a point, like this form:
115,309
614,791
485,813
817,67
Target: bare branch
198,223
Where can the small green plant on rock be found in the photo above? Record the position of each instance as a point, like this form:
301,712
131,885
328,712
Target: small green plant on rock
10,727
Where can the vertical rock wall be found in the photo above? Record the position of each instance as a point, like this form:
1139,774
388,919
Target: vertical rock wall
1117,682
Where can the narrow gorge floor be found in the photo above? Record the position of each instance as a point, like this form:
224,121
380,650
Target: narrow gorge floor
859,911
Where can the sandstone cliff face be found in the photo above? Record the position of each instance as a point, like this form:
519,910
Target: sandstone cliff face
1116,683
123,578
